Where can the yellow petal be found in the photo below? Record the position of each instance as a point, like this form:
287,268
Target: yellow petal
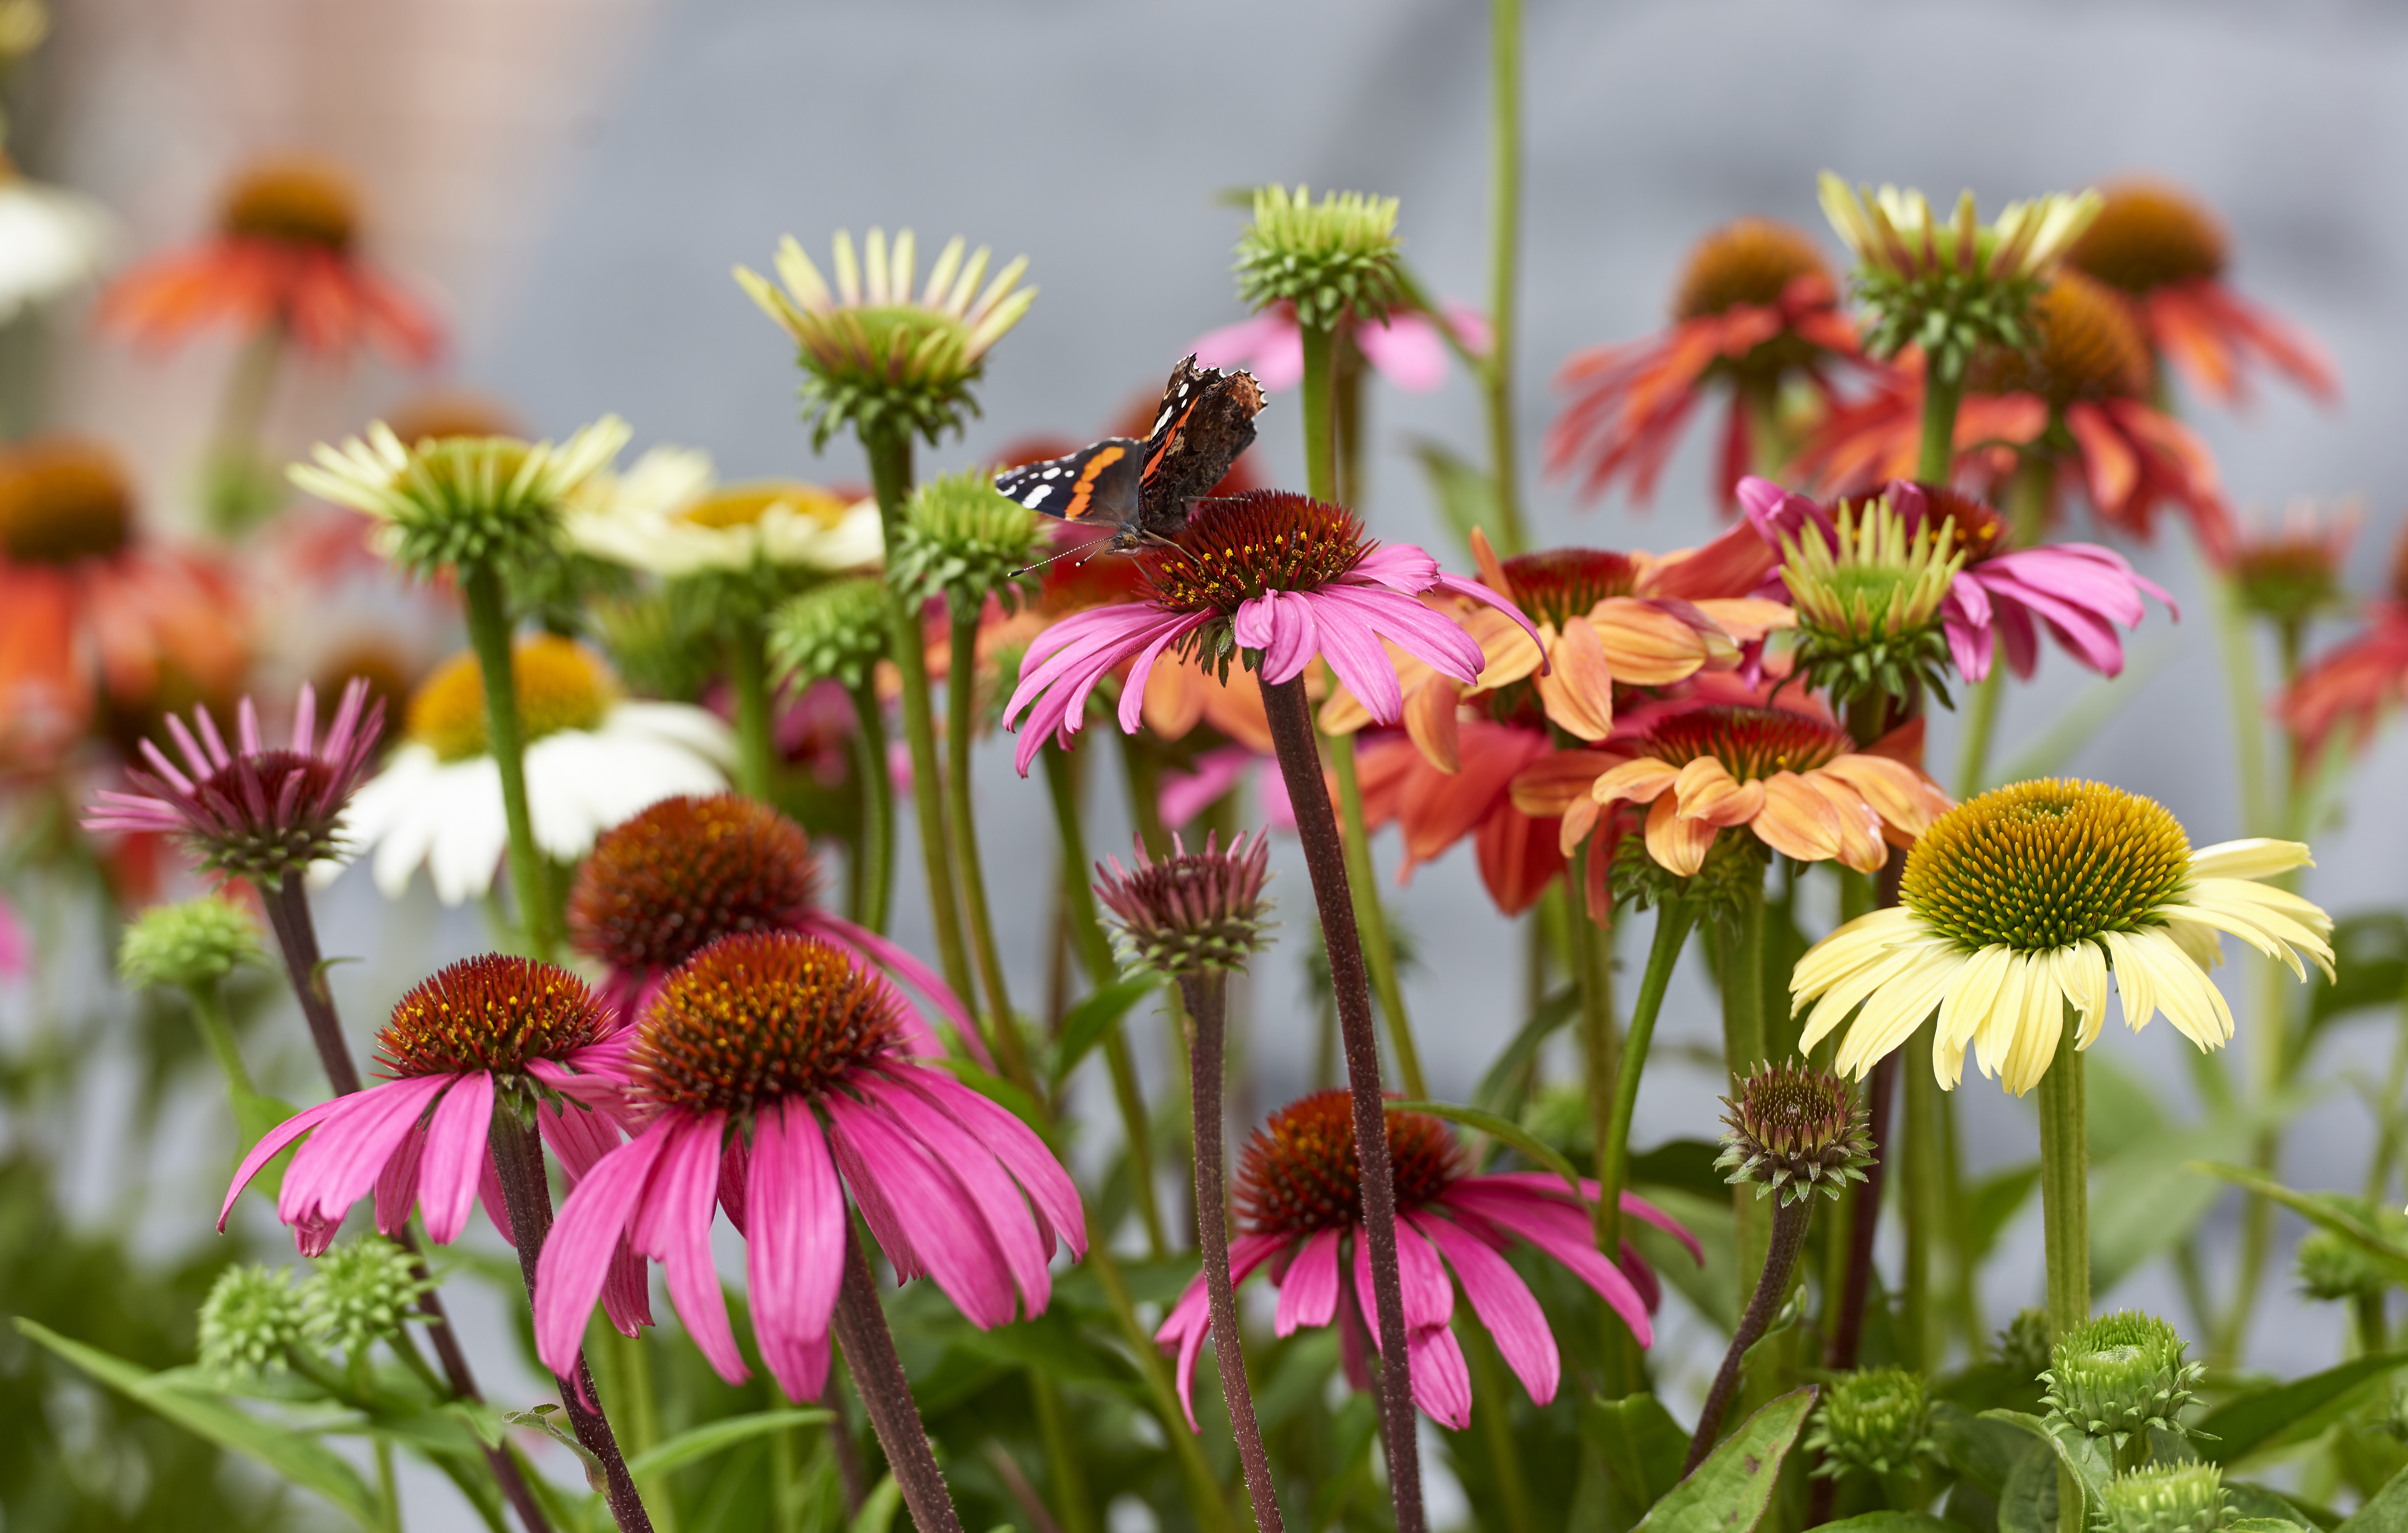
1640,781
1798,822
2256,858
1899,794
1507,654
1579,818
1968,1003
1898,1009
1858,942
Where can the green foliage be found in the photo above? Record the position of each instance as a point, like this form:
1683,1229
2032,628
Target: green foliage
1729,1491
837,632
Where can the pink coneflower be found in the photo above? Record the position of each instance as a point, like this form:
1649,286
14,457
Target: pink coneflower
1406,348
689,870
1299,1196
1289,575
2003,596
484,1032
257,812
736,1062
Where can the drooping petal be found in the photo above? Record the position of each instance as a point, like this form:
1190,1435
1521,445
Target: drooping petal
998,1203
1308,1290
456,1137
577,1254
936,1213
271,1144
676,1231
343,1159
795,1254
1503,1302
1015,1144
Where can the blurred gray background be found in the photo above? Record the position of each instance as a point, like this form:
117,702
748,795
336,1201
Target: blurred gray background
581,177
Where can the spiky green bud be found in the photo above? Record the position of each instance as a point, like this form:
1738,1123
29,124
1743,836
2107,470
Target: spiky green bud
2024,1345
2163,1498
834,632
192,943
2118,1375
1872,1420
1327,258
1868,607
1795,1130
252,1316
963,540
363,1292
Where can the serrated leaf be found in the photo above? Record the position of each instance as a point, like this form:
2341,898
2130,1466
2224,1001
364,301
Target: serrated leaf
718,1437
1085,1024
1729,1491
2290,1413
1512,1133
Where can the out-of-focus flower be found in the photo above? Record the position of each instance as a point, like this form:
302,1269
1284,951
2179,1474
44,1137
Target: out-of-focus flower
253,812
1327,262
251,1322
15,947
2164,251
593,759
747,1045
2350,686
191,944
877,358
284,256
363,1292
2014,906
90,610
668,515
2078,399
1299,1193
1756,308
2290,572
1406,348
51,241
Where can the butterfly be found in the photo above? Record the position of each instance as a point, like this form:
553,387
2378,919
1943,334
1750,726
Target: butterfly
1142,491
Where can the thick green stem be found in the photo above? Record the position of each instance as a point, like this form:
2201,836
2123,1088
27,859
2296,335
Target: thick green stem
1346,416
961,694
1320,443
1938,459
1096,952
629,1365
2064,1184
1504,265
1673,921
1920,1172
489,635
1379,952
875,852
890,471
748,673
1601,1057
1743,1007
217,1032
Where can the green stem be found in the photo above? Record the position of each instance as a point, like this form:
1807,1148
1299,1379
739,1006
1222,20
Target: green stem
1206,1501
1742,1007
875,854
1492,1404
1143,775
1592,963
890,470
488,633
757,752
1379,952
1919,1171
234,484
1071,1500
217,1032
388,1486
961,699
2386,1128
1504,265
1964,1291
2027,498
1320,445
1346,416
1938,458
2064,1184
1789,1220
1673,921
2237,645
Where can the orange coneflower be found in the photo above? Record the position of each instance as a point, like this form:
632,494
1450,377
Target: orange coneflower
2351,686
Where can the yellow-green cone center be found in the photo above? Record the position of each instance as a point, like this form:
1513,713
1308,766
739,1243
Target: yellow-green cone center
2040,865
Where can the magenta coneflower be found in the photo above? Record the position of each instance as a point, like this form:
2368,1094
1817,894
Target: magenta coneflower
1281,573
253,812
2003,594
689,870
483,1032
1299,1192
739,1058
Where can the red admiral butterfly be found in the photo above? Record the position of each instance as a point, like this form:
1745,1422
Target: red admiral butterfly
1143,489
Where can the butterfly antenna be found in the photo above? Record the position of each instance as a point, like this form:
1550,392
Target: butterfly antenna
1065,554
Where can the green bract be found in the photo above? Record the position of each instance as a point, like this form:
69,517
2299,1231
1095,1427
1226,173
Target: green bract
2023,1346
252,1316
1871,1420
192,943
963,541
1868,609
837,633
1794,1130
2119,1375
1327,258
2165,1499
363,1291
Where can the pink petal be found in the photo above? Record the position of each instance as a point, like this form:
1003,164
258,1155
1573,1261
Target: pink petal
1267,344
795,1256
911,971
1406,352
272,1143
1441,1382
685,1197
1308,1293
1187,1327
934,1211
1561,1232
396,1186
1403,568
580,1136
1411,626
1187,794
341,1164
1280,624
456,1136
1015,1144
1428,1295
871,1200
578,1252
1503,1302
992,1194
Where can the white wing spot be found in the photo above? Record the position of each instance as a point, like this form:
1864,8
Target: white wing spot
1038,496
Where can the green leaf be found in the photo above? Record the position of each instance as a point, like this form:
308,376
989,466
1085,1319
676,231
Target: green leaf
2028,1502
1992,1201
1685,1164
1982,1453
2089,1463
292,1455
1520,1139
1496,1087
1893,1522
2387,1513
2290,1413
2369,967
878,1506
2393,1259
2148,1199
1730,1490
2075,724
717,1436
1466,496
2262,1525
1643,1447
1086,1023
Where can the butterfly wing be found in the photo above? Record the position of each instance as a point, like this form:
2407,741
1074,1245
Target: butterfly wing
1096,484
1207,418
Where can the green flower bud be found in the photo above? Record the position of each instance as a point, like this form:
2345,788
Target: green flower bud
252,1316
2332,1266
2119,1375
1872,1420
363,1291
1869,609
963,540
2023,1346
2164,1498
834,632
1327,259
194,943
1795,1130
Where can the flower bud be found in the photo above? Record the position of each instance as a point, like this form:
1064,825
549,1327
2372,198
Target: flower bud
834,632
251,1315
1872,1420
2023,1346
2164,1498
1191,911
964,540
2119,1375
195,942
1327,258
362,1293
1794,1130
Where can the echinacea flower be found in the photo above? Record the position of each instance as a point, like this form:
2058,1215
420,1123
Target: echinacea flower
2015,907
284,256
253,812
483,1035
672,880
51,241
774,1072
2163,251
1300,1198
877,357
1797,781
91,612
1327,262
1275,572
1406,348
2350,686
1756,308
593,759
668,515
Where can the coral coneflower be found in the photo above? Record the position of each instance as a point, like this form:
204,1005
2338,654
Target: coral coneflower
90,610
1756,308
2351,686
1299,1199
284,254
775,1071
2015,905
2159,247
2290,572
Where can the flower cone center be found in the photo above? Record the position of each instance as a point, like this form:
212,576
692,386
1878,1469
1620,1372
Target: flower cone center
761,1016
2044,865
1557,585
1299,1173
742,504
1233,551
490,1014
2090,348
1752,261
450,413
2147,237
298,202
1750,743
684,874
561,684
61,501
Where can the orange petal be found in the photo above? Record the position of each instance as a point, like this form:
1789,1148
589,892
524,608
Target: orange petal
1555,782
1492,569
1798,822
1645,644
1677,845
1902,796
1235,708
1706,791
1860,828
1640,781
1174,700
1429,718
1507,653
1579,818
1577,691
1748,618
